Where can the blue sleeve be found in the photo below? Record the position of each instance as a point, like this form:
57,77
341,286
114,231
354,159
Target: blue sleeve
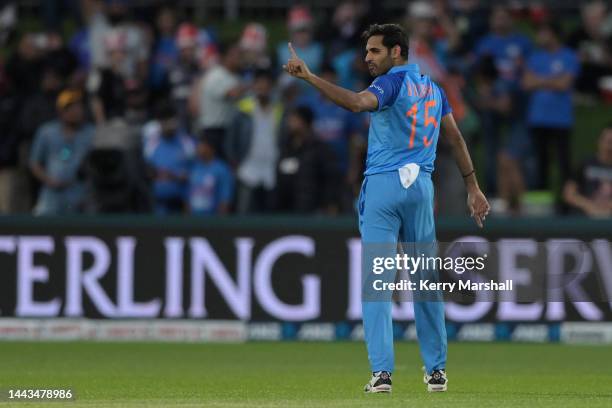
446,108
386,88
226,185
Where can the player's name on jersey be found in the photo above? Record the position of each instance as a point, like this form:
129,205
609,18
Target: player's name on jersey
420,90
431,286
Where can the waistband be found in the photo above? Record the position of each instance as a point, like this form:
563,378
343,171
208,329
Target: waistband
422,172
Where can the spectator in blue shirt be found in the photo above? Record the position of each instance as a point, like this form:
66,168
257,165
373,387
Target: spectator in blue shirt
165,51
170,153
508,48
211,184
57,154
549,78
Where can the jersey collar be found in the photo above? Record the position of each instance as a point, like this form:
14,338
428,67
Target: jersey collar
406,67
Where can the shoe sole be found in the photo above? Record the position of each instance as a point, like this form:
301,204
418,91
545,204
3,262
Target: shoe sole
381,388
436,387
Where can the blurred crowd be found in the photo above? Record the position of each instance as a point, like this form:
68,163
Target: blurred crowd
130,115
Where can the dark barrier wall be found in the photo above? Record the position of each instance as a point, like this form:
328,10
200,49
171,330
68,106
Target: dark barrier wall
262,269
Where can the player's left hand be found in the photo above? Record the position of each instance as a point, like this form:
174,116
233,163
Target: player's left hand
478,205
295,66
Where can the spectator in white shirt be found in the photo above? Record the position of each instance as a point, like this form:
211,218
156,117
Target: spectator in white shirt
213,99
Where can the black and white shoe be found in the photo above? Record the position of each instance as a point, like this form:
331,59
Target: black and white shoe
380,382
437,381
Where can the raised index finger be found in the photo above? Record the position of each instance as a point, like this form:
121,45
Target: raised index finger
292,51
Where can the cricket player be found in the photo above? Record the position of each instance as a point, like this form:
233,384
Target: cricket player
396,200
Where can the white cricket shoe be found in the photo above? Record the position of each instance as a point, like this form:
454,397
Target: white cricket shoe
437,381
380,382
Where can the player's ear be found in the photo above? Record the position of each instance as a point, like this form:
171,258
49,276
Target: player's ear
396,51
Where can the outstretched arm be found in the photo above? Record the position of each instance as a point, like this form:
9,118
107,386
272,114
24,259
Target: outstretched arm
353,101
477,202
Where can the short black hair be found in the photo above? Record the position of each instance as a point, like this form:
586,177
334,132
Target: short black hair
165,110
304,113
486,68
393,34
204,138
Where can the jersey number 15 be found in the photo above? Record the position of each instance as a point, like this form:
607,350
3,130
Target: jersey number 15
429,120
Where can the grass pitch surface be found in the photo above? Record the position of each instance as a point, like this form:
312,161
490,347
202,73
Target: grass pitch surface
304,374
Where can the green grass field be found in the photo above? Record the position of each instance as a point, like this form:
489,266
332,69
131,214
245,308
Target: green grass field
305,374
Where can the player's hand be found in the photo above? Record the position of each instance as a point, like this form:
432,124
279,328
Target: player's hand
478,205
296,67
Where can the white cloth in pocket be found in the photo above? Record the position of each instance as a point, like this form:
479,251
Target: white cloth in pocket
408,174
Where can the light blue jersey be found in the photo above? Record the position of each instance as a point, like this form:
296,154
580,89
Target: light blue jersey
405,127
